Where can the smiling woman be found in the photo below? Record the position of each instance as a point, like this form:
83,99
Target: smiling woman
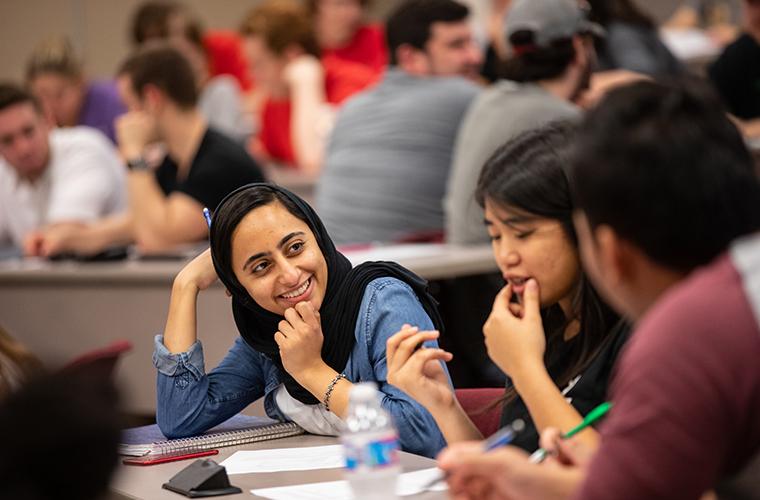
310,325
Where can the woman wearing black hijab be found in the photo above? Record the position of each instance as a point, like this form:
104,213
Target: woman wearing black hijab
310,325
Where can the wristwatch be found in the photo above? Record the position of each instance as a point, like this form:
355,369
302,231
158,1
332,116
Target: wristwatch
137,163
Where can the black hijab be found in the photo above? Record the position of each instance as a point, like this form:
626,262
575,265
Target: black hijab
343,295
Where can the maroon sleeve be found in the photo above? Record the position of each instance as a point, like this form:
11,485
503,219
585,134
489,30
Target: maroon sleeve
683,396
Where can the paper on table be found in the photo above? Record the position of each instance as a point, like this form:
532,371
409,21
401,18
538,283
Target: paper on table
285,459
409,483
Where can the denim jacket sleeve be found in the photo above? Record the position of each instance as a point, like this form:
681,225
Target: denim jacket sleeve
191,401
389,303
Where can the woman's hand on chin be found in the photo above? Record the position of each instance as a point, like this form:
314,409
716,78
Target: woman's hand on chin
514,334
300,340
199,272
417,370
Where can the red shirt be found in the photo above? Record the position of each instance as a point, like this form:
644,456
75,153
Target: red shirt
367,47
686,393
225,56
342,79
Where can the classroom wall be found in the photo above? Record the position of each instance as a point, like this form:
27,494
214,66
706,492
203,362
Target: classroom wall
99,28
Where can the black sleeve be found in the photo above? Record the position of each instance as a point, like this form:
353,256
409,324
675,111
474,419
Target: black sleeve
218,170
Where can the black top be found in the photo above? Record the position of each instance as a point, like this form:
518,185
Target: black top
586,391
220,166
736,75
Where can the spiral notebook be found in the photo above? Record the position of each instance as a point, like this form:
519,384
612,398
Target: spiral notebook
240,429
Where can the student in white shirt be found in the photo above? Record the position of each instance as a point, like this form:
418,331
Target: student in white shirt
51,179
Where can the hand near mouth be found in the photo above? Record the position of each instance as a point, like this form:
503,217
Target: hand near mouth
514,333
300,339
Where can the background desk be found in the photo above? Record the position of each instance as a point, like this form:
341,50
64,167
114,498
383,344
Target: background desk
133,482
62,309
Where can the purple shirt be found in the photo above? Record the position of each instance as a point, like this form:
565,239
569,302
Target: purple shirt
101,106
687,391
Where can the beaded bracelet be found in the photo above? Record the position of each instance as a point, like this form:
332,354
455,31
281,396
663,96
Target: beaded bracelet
330,388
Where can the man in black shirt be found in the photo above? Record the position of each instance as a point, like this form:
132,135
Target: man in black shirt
736,73
201,166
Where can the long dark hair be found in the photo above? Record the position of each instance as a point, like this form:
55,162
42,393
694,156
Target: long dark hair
528,173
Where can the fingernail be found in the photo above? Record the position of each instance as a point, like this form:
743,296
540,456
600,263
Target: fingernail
532,285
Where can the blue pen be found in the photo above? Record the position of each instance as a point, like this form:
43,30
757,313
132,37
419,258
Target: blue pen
505,436
501,438
207,215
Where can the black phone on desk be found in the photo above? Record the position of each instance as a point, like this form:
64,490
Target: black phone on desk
107,255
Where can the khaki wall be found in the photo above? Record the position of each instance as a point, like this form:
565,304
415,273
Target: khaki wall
98,28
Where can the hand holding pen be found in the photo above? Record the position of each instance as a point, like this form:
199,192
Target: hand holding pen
593,416
501,438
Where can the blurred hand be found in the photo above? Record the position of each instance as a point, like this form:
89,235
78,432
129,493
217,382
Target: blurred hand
478,475
304,69
32,246
604,81
419,372
504,473
56,239
134,131
568,452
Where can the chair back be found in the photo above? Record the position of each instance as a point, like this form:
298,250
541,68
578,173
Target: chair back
476,403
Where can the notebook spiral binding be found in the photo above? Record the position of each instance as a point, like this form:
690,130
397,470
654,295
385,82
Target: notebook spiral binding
229,438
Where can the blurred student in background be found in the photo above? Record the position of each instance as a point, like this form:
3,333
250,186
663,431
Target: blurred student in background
631,40
51,181
552,58
719,18
216,58
300,89
390,152
56,77
342,32
200,167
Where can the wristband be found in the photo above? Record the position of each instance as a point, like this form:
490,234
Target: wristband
330,388
138,164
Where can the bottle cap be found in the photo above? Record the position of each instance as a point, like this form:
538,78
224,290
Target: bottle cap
364,391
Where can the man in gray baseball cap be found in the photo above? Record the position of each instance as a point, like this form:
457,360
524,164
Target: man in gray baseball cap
549,21
549,68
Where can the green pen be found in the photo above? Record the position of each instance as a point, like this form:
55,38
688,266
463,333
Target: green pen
597,413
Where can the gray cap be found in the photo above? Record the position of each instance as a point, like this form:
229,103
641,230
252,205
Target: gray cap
548,20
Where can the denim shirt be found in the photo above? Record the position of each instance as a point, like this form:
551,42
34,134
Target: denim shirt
191,401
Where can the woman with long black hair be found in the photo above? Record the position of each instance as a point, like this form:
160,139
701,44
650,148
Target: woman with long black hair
548,331
310,325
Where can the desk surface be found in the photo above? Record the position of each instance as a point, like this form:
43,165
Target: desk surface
144,482
431,261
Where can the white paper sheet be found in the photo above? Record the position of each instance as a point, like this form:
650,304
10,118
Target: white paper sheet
285,459
409,483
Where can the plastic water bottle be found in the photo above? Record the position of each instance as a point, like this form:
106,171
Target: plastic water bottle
370,444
